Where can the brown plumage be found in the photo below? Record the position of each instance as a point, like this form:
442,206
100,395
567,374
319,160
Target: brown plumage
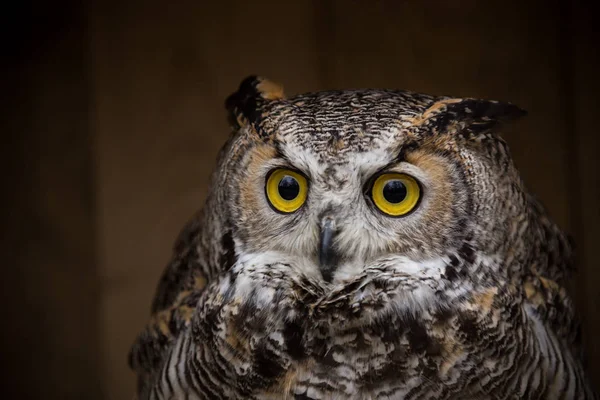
398,255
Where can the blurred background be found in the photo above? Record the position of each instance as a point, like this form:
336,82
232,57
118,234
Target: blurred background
113,115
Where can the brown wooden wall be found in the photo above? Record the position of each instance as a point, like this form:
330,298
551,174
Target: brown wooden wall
119,116
50,332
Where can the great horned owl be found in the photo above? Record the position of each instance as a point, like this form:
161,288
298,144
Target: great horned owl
364,244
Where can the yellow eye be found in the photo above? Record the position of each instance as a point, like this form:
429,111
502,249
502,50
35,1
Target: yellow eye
396,194
286,190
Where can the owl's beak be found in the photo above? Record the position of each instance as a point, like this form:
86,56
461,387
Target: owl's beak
327,256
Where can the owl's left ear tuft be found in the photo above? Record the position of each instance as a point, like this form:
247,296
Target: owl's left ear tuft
475,115
244,105
476,109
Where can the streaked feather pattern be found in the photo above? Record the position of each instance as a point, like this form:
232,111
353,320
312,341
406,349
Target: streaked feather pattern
465,299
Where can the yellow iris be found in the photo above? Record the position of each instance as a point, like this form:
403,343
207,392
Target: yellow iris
286,190
396,194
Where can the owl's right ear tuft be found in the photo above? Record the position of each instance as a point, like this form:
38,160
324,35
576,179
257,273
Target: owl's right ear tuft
244,106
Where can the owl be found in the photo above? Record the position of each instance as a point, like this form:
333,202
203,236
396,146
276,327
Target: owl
364,244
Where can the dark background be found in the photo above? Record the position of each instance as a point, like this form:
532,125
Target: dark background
113,114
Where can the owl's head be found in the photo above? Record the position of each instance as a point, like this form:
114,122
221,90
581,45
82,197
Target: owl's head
341,179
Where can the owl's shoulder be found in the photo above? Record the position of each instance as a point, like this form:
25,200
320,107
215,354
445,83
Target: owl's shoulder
548,278
179,289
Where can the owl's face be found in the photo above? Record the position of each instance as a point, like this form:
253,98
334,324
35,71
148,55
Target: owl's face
340,180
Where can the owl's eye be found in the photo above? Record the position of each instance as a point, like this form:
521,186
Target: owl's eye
286,190
395,194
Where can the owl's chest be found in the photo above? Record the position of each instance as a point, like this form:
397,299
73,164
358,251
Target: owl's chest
243,352
354,373
408,360
380,362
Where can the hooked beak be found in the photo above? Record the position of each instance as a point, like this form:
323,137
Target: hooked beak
327,256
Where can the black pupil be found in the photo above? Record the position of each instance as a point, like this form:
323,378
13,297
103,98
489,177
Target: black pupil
288,188
394,191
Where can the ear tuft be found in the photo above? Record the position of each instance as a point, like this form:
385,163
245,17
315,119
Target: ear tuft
244,105
269,90
476,109
474,115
